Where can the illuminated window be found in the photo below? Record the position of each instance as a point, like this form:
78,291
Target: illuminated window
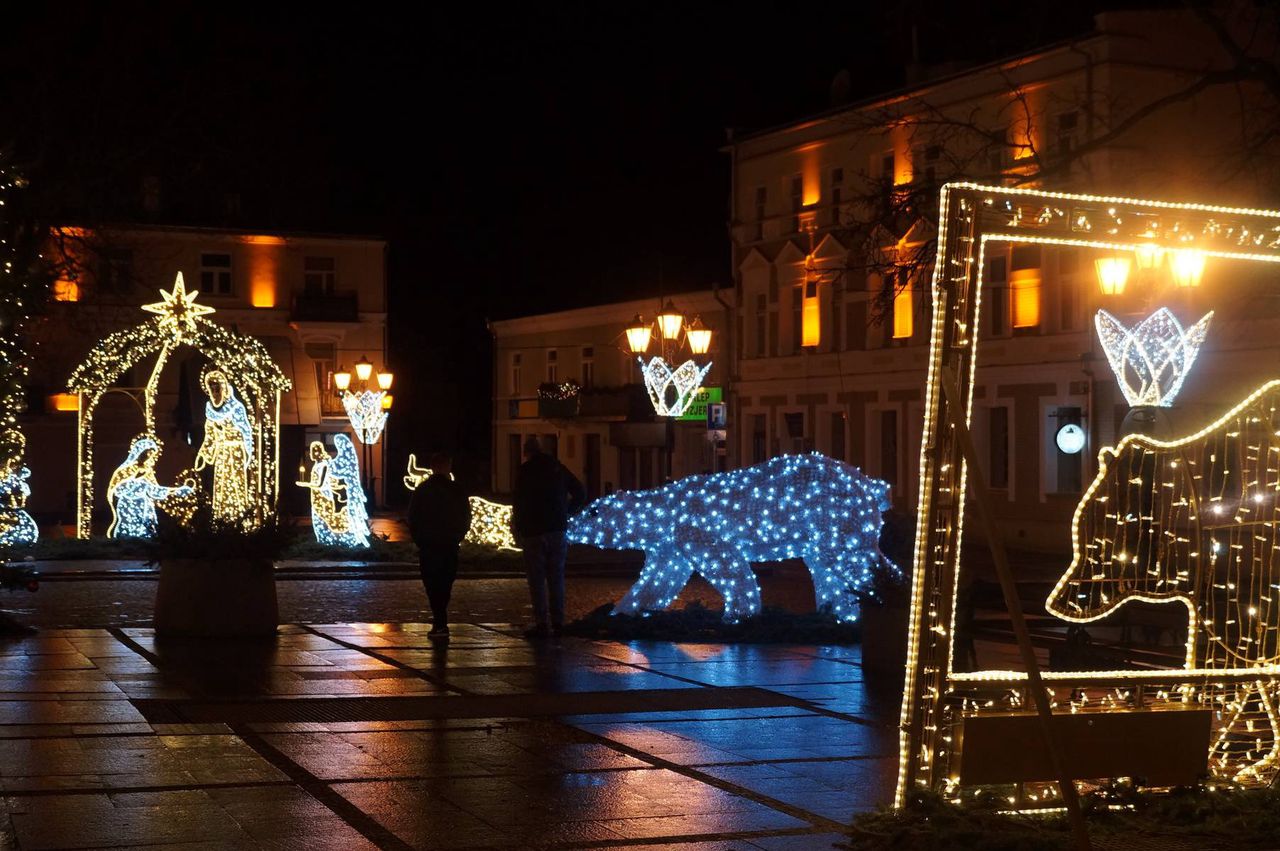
215,274
553,366
64,290
1024,282
811,319
902,312
588,365
324,357
319,275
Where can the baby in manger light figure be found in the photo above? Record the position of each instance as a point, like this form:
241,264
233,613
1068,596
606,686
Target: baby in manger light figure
16,526
338,513
134,491
227,447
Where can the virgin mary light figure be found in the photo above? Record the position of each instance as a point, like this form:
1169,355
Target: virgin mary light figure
133,491
227,447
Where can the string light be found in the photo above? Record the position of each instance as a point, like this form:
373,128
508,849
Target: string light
17,528
490,521
1151,359
338,513
133,491
241,443
662,381
366,412
792,506
970,216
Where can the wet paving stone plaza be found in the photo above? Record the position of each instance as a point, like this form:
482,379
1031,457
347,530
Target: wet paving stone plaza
365,735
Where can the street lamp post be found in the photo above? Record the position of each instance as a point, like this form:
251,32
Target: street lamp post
367,407
671,388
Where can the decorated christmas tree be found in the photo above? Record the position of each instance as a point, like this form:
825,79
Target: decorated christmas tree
24,289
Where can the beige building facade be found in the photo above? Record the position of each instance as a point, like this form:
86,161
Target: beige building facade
316,301
607,434
835,307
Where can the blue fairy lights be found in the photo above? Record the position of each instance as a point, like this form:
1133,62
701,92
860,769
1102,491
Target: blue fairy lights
794,506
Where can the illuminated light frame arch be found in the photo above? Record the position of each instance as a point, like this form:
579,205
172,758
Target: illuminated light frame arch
970,216
179,321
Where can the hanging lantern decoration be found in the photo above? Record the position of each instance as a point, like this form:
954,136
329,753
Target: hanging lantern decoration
1187,266
1113,274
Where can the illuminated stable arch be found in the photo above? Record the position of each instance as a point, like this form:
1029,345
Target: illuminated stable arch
935,698
178,322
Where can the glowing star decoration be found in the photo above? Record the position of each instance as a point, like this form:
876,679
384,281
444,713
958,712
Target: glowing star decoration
672,391
178,310
1196,521
241,448
365,411
1152,359
338,513
17,528
133,491
793,506
490,521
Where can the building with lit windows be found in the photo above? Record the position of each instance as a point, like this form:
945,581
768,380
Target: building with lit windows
833,265
317,301
606,431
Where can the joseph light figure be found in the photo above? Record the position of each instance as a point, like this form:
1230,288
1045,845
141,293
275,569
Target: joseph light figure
794,506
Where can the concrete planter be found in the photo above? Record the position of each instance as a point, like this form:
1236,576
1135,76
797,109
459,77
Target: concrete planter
216,598
884,640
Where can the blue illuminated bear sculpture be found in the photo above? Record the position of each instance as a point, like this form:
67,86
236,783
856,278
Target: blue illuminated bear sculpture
793,506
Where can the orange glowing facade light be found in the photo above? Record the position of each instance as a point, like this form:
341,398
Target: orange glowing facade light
810,315
64,402
1113,274
1025,284
1187,267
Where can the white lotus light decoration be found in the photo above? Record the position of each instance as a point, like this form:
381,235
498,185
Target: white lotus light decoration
1152,358
661,379
366,413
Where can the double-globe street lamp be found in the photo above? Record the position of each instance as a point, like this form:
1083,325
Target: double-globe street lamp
672,388
367,408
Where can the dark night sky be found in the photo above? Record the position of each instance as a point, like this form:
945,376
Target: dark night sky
520,161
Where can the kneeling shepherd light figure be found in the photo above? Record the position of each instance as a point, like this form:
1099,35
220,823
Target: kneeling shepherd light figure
795,506
134,492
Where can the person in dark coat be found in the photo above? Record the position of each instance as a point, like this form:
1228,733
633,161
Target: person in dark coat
545,495
439,517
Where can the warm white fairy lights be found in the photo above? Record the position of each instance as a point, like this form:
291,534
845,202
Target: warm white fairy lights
936,698
338,513
17,528
366,412
241,446
490,521
133,491
793,506
1151,359
672,390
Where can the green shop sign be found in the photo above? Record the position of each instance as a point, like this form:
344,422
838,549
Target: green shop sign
697,410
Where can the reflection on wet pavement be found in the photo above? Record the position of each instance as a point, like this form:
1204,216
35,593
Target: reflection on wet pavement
345,736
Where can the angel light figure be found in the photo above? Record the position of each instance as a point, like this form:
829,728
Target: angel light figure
227,447
338,515
17,528
134,492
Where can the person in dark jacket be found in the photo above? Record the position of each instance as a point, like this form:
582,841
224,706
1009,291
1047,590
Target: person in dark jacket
439,517
545,495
